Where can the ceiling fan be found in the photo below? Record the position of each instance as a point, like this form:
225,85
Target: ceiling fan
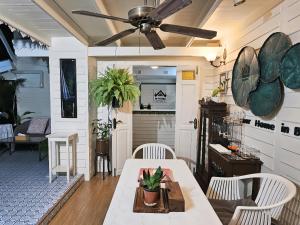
147,19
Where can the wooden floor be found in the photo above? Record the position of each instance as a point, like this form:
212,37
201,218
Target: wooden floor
89,204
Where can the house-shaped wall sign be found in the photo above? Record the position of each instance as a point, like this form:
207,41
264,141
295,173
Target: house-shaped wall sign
160,96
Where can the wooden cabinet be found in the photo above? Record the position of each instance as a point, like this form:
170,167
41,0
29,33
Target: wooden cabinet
209,161
224,165
210,113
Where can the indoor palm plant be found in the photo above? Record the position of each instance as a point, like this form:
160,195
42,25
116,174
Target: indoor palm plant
151,185
114,88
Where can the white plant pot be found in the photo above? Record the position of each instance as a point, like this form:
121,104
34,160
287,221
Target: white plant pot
215,99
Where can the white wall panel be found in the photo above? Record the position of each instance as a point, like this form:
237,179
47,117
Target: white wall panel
71,48
279,152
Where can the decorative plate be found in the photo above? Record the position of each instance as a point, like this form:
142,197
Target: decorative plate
270,55
290,67
266,99
245,75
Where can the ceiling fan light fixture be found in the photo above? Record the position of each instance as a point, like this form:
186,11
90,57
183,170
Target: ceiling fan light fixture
154,67
238,2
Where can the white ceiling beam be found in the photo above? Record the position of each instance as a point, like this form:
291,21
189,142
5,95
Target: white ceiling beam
18,26
203,21
149,51
109,23
61,17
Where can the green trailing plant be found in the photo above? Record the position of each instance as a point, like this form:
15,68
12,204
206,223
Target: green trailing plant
216,91
101,129
114,83
152,182
23,117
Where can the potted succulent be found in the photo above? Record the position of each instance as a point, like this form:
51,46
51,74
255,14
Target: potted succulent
151,185
102,130
114,88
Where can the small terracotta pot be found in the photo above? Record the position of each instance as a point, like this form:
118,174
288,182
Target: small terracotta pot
151,197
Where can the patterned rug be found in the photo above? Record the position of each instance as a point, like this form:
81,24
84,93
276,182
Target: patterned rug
25,192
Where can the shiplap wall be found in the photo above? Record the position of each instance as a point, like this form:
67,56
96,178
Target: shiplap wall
153,128
71,48
279,152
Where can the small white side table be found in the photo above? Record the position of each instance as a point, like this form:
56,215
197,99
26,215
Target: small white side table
55,166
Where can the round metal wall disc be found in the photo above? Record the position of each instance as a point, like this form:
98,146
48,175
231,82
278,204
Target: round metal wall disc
266,99
270,56
290,67
245,75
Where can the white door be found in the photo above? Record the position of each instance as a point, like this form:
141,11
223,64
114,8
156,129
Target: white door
122,126
187,96
121,137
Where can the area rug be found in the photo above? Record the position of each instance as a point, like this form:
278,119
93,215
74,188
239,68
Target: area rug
25,193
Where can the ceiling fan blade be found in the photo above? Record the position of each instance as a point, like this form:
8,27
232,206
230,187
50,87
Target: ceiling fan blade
167,8
190,31
116,37
87,13
155,40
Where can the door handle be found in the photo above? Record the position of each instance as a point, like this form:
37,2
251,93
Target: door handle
116,122
195,122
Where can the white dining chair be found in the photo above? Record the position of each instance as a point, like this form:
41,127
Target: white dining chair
273,193
154,151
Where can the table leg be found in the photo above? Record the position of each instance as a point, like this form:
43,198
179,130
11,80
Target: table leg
50,160
74,156
57,156
68,161
39,149
10,150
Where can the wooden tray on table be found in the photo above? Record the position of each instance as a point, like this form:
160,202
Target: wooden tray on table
171,200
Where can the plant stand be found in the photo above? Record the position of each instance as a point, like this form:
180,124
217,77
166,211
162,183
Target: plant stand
103,156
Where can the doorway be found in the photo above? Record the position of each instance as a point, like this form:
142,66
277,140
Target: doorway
154,114
184,122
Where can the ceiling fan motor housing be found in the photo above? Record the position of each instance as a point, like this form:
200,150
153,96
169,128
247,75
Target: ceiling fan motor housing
138,17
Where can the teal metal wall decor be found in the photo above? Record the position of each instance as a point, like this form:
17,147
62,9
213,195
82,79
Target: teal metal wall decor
245,75
290,67
270,56
266,99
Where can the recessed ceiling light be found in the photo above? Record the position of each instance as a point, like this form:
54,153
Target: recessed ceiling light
238,2
154,67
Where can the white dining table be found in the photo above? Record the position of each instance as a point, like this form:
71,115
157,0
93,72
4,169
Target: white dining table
198,210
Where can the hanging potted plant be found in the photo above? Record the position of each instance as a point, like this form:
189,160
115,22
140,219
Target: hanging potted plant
151,185
102,130
114,88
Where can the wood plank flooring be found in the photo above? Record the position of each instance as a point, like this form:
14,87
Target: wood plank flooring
89,204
